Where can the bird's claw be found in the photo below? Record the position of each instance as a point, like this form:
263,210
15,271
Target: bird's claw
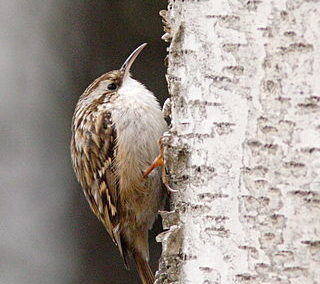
169,189
159,162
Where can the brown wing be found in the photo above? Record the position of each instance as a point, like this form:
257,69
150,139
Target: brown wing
97,174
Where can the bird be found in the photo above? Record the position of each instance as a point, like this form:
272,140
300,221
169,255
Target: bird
116,127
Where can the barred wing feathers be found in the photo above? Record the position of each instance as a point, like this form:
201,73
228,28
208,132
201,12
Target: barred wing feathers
93,149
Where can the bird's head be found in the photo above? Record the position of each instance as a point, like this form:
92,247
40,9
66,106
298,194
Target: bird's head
112,81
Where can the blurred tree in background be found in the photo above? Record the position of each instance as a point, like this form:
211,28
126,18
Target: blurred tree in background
50,51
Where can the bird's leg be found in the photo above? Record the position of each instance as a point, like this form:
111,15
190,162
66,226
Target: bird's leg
159,162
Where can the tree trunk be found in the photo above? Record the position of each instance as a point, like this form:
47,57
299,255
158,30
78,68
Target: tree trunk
244,147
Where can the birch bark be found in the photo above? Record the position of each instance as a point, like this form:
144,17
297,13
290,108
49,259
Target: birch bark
244,147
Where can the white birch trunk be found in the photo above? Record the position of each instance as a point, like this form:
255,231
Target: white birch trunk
244,147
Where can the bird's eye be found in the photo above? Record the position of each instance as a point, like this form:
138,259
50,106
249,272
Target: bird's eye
112,86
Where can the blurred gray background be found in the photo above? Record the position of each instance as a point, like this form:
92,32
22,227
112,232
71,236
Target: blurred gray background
49,52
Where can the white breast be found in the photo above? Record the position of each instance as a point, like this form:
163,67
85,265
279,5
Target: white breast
139,121
139,125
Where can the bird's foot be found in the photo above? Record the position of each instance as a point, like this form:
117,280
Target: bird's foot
160,162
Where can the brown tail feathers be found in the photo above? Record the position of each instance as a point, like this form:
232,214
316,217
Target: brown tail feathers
143,269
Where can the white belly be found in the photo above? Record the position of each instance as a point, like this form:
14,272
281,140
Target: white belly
139,125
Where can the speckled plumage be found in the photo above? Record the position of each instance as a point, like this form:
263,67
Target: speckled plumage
115,137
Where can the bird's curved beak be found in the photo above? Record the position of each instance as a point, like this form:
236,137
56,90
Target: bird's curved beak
125,68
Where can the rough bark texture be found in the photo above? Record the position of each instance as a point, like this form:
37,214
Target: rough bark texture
244,147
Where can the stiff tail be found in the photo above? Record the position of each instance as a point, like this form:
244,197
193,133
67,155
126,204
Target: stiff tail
143,269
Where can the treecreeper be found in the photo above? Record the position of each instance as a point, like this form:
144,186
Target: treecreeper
116,128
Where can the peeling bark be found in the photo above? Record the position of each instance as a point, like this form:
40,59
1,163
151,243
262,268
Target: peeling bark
244,147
